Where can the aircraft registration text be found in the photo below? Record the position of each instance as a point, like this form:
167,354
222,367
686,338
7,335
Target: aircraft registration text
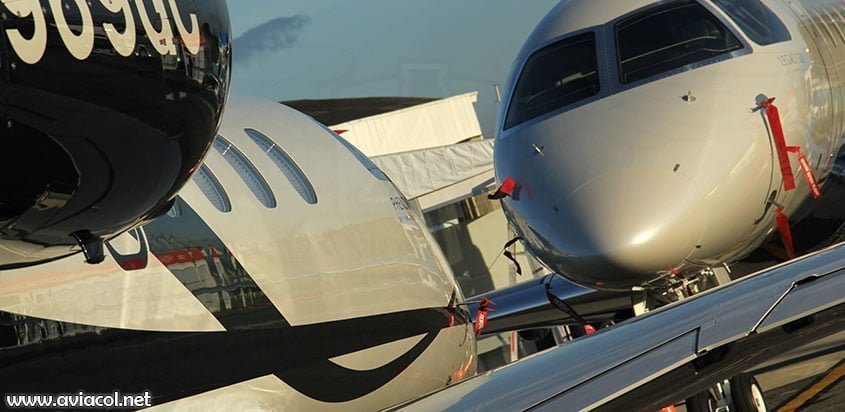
79,38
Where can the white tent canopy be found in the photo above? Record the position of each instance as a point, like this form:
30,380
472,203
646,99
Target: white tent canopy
423,172
436,123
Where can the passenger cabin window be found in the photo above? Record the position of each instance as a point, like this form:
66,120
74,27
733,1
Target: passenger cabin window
555,77
212,189
668,38
758,22
286,165
247,171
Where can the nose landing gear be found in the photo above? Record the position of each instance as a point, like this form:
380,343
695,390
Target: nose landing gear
672,286
742,393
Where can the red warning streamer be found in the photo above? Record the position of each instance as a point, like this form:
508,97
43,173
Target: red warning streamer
783,153
505,190
785,232
773,115
482,316
808,172
480,321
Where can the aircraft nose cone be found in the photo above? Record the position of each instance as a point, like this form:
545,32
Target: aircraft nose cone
617,230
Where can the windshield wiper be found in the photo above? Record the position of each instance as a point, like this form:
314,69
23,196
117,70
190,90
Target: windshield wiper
558,84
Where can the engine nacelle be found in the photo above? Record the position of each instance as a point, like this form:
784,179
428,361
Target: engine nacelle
107,107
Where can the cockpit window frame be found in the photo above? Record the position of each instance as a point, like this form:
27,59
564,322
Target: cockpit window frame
608,62
604,81
715,12
749,31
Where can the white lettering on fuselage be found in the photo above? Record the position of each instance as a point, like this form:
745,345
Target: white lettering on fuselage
123,43
31,49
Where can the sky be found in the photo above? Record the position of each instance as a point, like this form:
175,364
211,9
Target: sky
314,49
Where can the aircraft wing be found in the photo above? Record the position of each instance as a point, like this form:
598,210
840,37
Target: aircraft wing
527,305
774,317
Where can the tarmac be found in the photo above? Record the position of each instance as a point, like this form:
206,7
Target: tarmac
810,378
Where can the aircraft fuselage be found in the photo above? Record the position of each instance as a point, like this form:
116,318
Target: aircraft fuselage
650,153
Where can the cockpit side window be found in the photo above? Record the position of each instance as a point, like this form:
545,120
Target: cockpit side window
554,77
759,23
670,37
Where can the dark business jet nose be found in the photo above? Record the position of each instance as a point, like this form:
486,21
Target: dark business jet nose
101,128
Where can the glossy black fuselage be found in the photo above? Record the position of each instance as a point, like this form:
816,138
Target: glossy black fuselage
100,134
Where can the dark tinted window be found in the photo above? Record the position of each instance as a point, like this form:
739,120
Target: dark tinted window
756,20
670,37
554,77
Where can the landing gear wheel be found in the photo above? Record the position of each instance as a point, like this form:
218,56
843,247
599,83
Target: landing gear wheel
747,394
702,402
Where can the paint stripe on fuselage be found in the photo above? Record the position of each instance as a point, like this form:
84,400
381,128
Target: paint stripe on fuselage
190,249
47,356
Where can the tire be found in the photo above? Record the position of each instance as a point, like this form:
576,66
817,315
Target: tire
747,394
702,402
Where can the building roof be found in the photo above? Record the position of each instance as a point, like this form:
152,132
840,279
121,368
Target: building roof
335,111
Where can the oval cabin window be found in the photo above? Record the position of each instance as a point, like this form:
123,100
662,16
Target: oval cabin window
247,171
212,189
286,165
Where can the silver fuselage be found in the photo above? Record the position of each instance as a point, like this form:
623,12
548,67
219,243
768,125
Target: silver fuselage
674,172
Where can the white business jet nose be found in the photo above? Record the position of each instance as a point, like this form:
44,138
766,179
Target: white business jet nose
622,227
632,145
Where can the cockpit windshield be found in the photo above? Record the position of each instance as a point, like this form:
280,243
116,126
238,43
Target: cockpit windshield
756,20
670,37
554,77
